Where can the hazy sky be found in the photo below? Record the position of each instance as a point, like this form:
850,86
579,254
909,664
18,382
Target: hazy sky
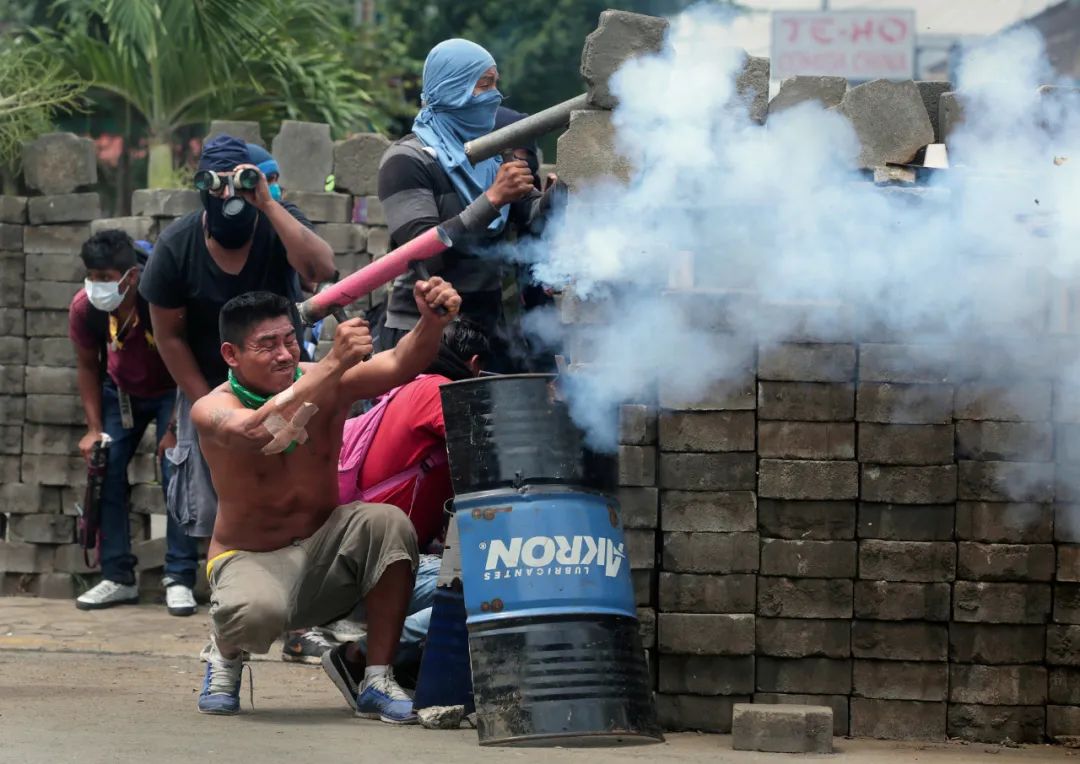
975,17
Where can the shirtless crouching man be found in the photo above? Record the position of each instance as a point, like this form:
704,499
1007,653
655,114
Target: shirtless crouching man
283,554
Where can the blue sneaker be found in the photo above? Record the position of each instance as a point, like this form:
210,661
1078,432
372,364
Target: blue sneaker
221,687
383,699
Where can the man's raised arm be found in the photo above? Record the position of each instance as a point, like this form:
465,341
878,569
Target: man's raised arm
416,350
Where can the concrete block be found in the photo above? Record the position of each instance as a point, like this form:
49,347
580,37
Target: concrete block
1028,401
41,529
804,597
905,364
146,499
13,209
931,91
752,86
988,602
901,680
12,351
50,295
12,322
1005,441
619,36
55,239
706,431
54,409
904,404
806,440
637,465
890,121
322,207
51,439
343,238
11,384
587,151
64,208
821,520
795,362
1006,481
305,155
1003,522
639,507
1005,562
637,424
18,557
710,552
1068,563
915,444
808,480
817,675
368,210
705,633
897,719
906,522
899,641
134,226
950,114
695,712
997,643
997,685
151,554
838,704
683,593
885,484
782,728
997,724
69,559
641,548
59,163
11,239
808,559
378,242
12,409
902,601
22,498
50,380
803,638
11,273
1064,686
46,323
826,91
707,472
54,470
164,202
248,132
707,675
916,561
10,469
644,581
737,394
1067,443
726,512
10,441
356,163
1062,721
809,401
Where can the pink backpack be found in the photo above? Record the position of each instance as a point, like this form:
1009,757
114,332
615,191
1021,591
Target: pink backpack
356,441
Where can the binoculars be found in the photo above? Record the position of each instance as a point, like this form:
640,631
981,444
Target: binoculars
208,180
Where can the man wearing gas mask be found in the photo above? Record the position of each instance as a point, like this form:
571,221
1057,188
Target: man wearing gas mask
243,240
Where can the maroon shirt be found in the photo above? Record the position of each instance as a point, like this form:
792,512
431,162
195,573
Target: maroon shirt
135,367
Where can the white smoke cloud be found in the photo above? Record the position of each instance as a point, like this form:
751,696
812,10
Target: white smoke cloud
778,215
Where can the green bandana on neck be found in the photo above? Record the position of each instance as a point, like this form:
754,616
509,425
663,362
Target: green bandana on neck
252,400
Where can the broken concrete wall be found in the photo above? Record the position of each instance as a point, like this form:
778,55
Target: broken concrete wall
41,419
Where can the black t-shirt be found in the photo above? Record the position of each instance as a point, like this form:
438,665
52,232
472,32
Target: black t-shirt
182,274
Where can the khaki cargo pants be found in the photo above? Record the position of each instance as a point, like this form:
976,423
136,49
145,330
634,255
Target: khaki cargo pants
256,596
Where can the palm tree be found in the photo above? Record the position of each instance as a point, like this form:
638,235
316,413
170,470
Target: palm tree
183,62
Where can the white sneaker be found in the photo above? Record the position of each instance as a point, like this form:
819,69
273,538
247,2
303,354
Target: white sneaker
345,630
179,600
107,594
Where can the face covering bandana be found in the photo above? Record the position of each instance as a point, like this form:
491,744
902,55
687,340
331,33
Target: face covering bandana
275,191
230,231
105,295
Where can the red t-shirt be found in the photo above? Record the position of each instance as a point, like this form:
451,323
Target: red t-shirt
135,366
411,427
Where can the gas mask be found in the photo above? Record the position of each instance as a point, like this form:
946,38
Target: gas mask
231,221
105,295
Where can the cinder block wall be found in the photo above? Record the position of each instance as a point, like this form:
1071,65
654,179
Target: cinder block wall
42,475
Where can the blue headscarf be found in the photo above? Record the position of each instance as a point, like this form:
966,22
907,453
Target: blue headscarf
452,115
223,153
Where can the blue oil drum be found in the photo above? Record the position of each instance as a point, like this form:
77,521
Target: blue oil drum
554,640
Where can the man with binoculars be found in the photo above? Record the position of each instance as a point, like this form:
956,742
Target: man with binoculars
243,240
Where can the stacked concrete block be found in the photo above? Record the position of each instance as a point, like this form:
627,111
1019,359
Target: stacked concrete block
807,487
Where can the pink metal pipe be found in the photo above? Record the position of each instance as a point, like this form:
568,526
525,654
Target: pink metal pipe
364,281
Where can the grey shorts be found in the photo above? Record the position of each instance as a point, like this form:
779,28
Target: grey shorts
255,596
190,499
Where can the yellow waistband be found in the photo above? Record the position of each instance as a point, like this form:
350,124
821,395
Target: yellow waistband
215,558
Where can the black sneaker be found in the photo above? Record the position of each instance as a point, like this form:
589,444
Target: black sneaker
305,647
333,663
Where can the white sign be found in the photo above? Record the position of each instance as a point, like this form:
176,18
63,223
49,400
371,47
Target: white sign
858,45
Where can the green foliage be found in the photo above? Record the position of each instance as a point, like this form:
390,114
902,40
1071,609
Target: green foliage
33,88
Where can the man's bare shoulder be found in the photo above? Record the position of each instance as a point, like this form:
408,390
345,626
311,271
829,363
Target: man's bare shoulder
214,407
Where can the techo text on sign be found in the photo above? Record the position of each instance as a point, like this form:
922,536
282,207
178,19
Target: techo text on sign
858,45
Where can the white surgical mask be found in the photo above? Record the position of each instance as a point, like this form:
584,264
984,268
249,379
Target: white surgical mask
104,295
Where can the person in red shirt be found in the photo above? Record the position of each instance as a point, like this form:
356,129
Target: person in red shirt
124,386
412,430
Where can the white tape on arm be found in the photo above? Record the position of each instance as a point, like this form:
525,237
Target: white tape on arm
286,432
